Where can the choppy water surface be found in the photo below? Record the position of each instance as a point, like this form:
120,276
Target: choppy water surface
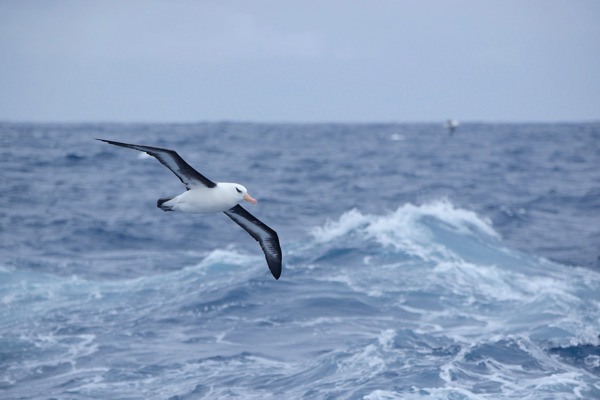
417,265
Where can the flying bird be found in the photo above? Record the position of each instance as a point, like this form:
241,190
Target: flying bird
205,196
451,125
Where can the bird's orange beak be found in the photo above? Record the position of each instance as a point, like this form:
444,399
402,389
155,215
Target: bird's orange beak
249,198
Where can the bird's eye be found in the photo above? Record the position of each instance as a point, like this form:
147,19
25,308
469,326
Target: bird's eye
238,190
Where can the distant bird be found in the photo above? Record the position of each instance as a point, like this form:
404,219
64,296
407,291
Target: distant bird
205,196
451,125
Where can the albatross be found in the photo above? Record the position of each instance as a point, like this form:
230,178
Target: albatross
205,196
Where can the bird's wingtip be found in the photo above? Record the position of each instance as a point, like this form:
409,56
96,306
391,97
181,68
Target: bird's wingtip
275,270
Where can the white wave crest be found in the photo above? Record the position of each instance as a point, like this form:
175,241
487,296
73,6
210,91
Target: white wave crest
409,228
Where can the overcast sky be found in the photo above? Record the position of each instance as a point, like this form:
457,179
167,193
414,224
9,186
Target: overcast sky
299,60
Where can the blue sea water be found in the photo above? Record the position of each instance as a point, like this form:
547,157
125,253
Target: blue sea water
417,265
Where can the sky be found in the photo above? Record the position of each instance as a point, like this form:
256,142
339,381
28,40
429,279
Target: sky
301,61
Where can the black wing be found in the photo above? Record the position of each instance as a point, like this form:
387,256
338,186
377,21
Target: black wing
170,159
267,237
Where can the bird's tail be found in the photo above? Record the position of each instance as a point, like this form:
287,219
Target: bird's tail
161,203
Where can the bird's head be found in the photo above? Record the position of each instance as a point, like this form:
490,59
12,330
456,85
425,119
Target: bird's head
242,193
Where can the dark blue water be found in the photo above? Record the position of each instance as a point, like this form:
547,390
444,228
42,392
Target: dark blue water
417,265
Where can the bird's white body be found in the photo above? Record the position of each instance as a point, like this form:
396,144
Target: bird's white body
205,200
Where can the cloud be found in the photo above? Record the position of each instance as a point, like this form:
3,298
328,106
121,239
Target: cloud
271,60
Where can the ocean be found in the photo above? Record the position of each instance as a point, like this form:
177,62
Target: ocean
416,264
